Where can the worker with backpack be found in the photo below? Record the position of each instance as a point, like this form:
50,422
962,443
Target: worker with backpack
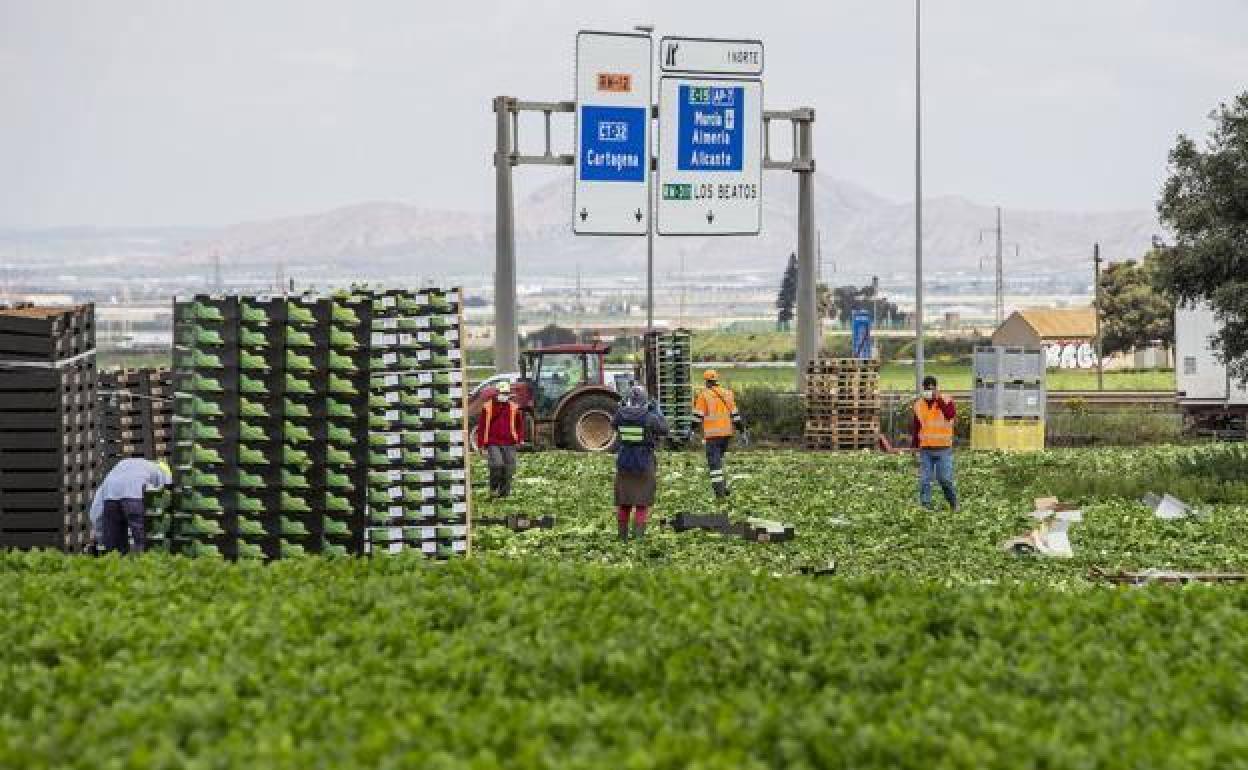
715,412
639,425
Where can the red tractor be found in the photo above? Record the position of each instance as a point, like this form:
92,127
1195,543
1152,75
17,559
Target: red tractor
565,396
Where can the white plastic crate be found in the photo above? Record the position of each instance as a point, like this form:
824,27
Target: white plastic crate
1006,364
1007,400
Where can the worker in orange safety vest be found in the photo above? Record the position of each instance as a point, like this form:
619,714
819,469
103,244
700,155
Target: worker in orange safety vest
932,429
715,412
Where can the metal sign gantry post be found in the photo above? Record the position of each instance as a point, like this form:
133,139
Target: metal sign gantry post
507,155
809,327
507,111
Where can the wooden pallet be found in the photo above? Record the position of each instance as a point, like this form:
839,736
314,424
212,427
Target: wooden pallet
818,444
843,364
842,427
843,378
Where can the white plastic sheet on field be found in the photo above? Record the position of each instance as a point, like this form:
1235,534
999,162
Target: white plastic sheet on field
1051,537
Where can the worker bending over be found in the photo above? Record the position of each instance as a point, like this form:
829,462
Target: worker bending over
715,412
639,425
118,505
500,429
935,416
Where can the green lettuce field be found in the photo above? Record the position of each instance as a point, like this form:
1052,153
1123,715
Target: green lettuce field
929,647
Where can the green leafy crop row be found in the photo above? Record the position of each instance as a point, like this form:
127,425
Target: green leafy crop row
161,662
860,509
929,647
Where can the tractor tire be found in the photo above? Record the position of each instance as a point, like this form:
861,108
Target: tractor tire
586,424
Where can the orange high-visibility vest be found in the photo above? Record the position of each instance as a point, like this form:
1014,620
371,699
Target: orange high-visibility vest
717,408
487,421
935,429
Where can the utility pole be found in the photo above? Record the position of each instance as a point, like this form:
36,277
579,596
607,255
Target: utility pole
683,287
1000,306
823,278
918,197
999,299
1096,274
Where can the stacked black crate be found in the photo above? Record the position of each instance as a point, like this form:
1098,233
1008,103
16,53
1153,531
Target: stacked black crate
261,374
446,385
206,405
48,438
418,490
346,454
304,430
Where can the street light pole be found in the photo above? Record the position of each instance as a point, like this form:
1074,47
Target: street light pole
918,198
1096,275
649,30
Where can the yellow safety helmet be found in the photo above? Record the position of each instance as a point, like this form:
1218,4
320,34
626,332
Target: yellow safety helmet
710,374
504,388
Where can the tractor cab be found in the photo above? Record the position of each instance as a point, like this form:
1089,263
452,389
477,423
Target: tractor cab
564,391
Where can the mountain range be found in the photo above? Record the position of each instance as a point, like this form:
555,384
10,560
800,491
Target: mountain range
860,232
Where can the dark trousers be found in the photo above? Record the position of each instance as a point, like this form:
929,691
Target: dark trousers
716,448
502,462
122,517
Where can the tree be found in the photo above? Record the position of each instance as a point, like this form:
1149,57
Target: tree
1204,203
1134,312
550,334
840,303
787,297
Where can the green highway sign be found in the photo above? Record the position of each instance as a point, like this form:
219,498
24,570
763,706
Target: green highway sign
677,192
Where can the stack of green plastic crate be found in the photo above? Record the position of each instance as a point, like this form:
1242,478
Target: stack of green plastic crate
205,428
418,485
261,528
304,428
669,360
157,520
314,424
346,457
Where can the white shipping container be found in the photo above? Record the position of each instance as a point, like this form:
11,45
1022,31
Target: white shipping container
1199,376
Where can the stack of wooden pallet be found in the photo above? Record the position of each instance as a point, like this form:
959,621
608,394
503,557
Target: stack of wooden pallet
136,415
842,403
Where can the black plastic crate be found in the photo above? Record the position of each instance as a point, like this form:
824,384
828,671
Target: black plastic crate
42,539
41,520
44,347
48,322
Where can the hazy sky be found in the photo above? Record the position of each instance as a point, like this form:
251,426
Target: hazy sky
155,112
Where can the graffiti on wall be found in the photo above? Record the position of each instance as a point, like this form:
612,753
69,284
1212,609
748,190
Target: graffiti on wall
1070,354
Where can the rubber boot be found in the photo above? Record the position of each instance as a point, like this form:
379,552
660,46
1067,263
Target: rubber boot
639,531
495,480
721,489
623,527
